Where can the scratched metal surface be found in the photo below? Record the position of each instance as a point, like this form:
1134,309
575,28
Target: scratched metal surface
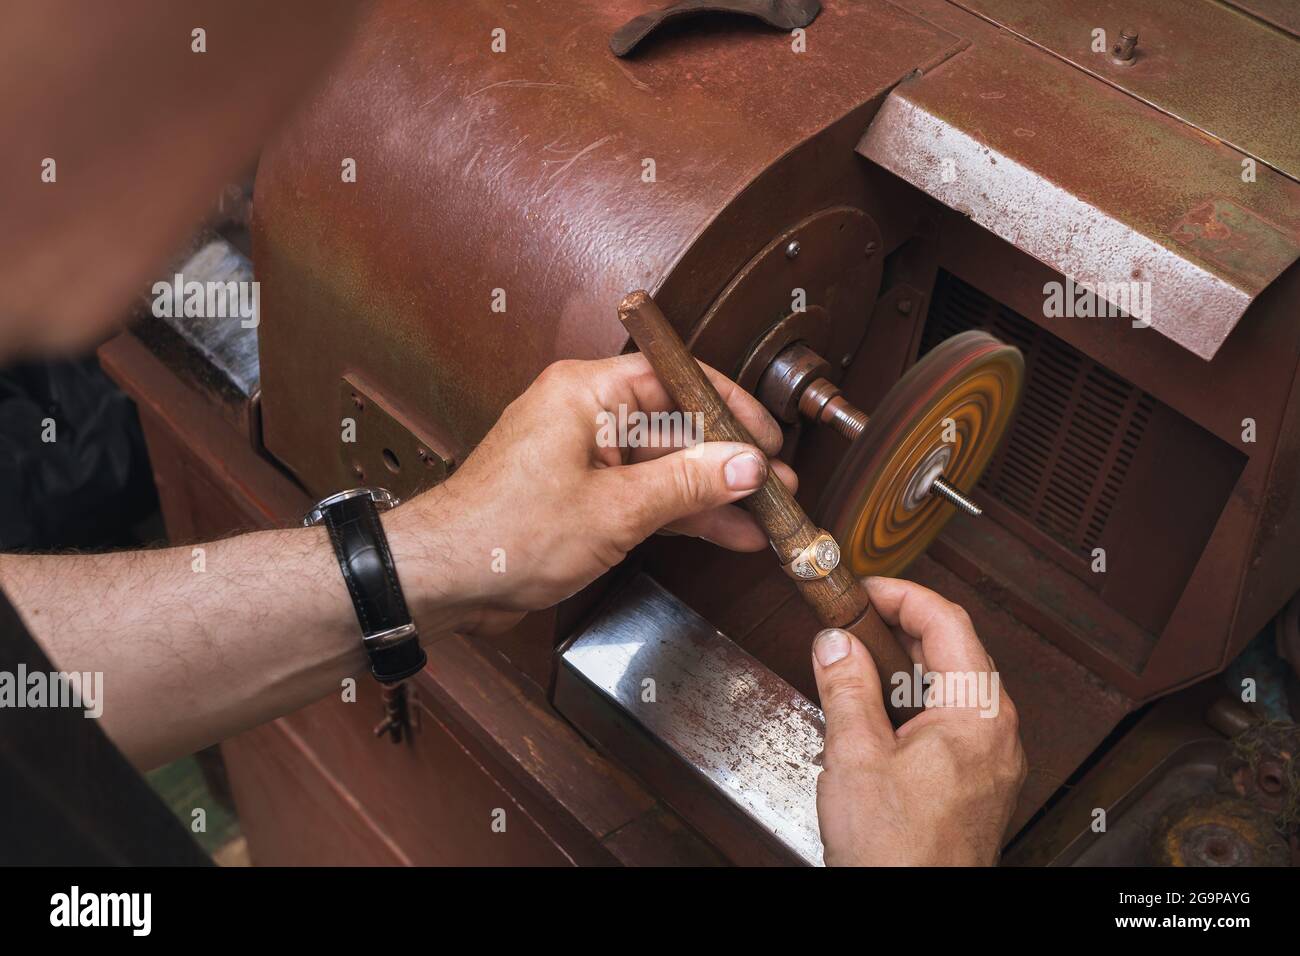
1283,14
753,737
998,133
522,171
1212,66
230,347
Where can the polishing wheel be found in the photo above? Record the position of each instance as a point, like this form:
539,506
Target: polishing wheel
930,438
912,460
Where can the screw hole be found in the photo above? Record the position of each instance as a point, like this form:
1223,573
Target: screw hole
391,462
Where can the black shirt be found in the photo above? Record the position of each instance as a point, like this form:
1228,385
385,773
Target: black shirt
67,795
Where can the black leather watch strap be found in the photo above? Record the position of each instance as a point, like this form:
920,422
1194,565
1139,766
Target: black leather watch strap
361,546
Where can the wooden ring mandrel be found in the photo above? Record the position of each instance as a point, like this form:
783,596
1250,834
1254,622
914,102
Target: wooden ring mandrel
838,599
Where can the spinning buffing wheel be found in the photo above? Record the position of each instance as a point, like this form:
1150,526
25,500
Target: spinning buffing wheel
929,440
942,421
947,413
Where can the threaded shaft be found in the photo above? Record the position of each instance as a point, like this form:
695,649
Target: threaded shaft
844,418
941,489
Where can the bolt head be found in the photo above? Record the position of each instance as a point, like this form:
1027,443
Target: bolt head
792,249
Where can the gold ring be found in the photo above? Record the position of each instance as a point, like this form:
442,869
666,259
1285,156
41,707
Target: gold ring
815,561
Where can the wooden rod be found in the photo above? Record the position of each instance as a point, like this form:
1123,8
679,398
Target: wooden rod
839,599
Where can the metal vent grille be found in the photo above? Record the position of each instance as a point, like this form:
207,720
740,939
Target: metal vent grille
1075,435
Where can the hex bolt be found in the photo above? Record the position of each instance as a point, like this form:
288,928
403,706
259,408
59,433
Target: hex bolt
941,489
1125,49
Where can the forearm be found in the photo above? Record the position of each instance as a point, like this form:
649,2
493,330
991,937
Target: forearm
195,646
193,651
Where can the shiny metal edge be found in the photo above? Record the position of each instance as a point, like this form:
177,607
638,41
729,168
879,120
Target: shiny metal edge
1194,307
754,739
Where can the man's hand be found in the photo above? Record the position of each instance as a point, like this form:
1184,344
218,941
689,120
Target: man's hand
938,792
198,644
542,508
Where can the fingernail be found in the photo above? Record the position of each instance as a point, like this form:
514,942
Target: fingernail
744,472
831,646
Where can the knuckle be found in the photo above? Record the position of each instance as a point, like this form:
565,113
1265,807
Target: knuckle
1010,718
689,485
1012,766
851,758
557,372
844,689
1020,767
960,617
1011,771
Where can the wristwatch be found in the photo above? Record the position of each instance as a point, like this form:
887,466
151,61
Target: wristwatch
387,632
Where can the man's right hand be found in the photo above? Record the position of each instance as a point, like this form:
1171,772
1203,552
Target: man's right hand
940,790
559,504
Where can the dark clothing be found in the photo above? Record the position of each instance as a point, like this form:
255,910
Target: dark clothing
73,465
67,795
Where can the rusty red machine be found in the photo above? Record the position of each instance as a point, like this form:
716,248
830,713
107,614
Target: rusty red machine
1089,190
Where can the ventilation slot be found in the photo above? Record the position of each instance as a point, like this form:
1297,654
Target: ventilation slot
1064,463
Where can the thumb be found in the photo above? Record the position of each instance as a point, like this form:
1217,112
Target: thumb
666,489
857,726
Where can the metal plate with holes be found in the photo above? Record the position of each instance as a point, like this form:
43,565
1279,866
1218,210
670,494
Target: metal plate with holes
656,686
388,449
828,265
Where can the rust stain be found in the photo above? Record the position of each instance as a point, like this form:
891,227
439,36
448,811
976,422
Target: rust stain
1201,223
